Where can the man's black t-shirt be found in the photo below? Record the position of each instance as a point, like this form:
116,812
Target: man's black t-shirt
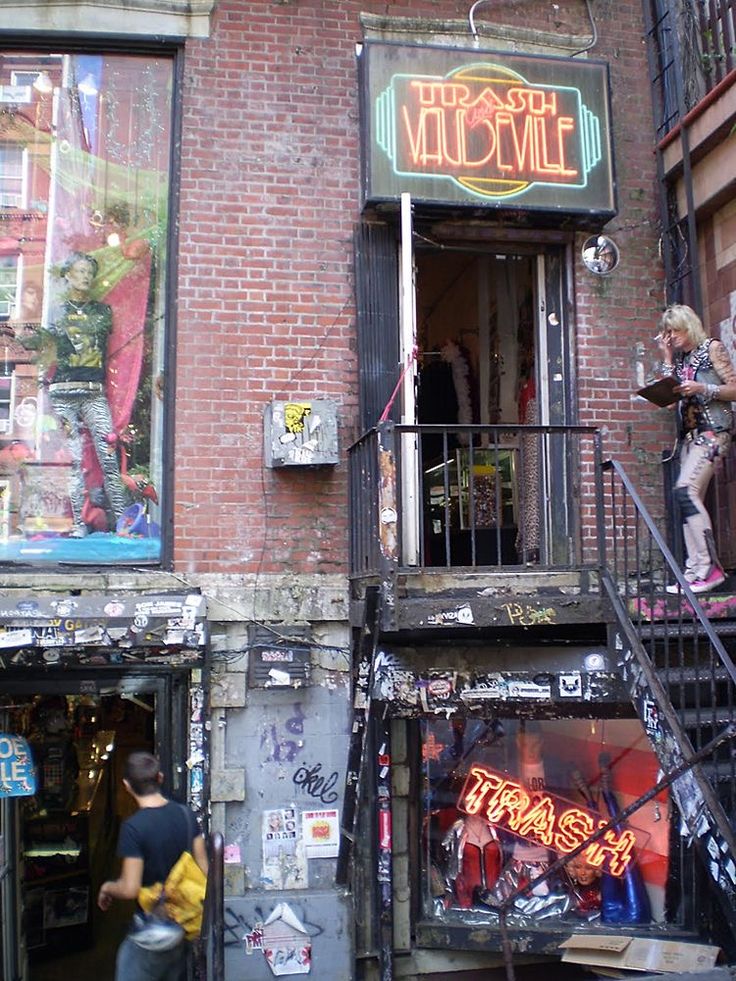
158,835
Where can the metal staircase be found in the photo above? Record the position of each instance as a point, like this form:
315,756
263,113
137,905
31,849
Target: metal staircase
676,654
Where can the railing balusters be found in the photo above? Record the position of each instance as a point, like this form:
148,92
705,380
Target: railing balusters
474,496
446,524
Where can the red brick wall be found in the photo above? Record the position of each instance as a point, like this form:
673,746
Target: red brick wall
617,316
269,196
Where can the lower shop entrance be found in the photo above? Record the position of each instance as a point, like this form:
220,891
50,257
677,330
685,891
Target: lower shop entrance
60,845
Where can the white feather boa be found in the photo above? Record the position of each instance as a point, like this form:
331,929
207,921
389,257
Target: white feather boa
452,354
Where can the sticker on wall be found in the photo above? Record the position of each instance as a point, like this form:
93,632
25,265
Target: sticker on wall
231,855
571,685
529,689
391,682
17,772
287,945
284,864
460,614
486,688
321,833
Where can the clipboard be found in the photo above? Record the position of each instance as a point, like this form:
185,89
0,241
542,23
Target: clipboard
661,392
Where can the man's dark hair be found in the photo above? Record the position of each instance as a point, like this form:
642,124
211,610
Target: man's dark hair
141,772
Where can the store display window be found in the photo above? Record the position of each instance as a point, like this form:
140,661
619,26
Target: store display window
503,799
85,178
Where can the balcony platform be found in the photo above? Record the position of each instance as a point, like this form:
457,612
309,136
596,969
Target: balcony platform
460,602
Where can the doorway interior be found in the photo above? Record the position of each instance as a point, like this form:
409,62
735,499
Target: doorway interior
61,843
478,364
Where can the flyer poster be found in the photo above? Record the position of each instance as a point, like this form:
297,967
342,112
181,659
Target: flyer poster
321,833
284,865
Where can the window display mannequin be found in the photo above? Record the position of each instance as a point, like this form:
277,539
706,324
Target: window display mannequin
79,328
585,885
474,858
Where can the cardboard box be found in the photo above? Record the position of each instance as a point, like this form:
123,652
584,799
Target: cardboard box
622,953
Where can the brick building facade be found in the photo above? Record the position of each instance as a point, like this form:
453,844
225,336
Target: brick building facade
259,307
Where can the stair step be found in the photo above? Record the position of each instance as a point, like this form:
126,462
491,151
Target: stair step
655,605
685,628
694,718
689,674
690,678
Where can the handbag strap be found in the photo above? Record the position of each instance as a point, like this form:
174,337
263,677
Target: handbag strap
188,823
187,847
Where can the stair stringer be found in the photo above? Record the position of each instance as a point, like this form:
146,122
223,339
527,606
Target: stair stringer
364,655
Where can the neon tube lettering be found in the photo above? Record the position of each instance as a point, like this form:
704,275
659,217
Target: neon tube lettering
538,822
485,782
545,818
617,849
573,827
510,800
522,134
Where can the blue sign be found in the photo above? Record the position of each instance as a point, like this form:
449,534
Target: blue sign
17,772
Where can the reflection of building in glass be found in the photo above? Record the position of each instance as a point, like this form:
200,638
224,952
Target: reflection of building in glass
109,111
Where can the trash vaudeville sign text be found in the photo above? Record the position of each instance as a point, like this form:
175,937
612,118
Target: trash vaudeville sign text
487,128
545,819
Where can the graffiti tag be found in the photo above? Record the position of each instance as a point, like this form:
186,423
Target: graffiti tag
314,784
528,616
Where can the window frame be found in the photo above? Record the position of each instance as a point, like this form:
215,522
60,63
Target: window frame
45,46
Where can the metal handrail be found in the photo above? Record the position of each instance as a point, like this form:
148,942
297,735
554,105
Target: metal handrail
212,962
673,568
679,674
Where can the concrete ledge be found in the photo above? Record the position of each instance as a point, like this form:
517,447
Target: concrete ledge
149,18
714,974
231,598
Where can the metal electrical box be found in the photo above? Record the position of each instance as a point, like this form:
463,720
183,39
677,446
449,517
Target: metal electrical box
302,433
279,659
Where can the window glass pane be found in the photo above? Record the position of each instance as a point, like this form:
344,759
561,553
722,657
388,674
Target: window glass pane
504,799
84,195
8,284
11,176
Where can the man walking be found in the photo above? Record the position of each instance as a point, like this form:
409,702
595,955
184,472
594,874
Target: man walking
150,844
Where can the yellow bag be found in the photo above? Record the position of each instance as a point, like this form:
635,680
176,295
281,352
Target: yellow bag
183,897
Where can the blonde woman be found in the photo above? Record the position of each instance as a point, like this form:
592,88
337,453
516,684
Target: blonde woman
707,384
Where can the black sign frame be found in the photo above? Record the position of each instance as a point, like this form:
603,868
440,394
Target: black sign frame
548,107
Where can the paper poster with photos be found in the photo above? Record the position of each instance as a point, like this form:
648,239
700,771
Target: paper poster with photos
284,864
85,163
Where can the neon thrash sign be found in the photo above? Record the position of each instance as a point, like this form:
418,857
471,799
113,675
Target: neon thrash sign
545,819
512,130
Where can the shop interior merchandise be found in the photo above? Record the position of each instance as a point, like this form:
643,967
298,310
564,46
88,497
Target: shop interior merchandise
66,834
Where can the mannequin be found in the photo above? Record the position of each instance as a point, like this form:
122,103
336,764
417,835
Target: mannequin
79,328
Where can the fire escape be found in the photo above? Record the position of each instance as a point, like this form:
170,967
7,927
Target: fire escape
602,566
691,48
428,566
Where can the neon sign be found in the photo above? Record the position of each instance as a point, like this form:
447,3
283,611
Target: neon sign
545,819
521,131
